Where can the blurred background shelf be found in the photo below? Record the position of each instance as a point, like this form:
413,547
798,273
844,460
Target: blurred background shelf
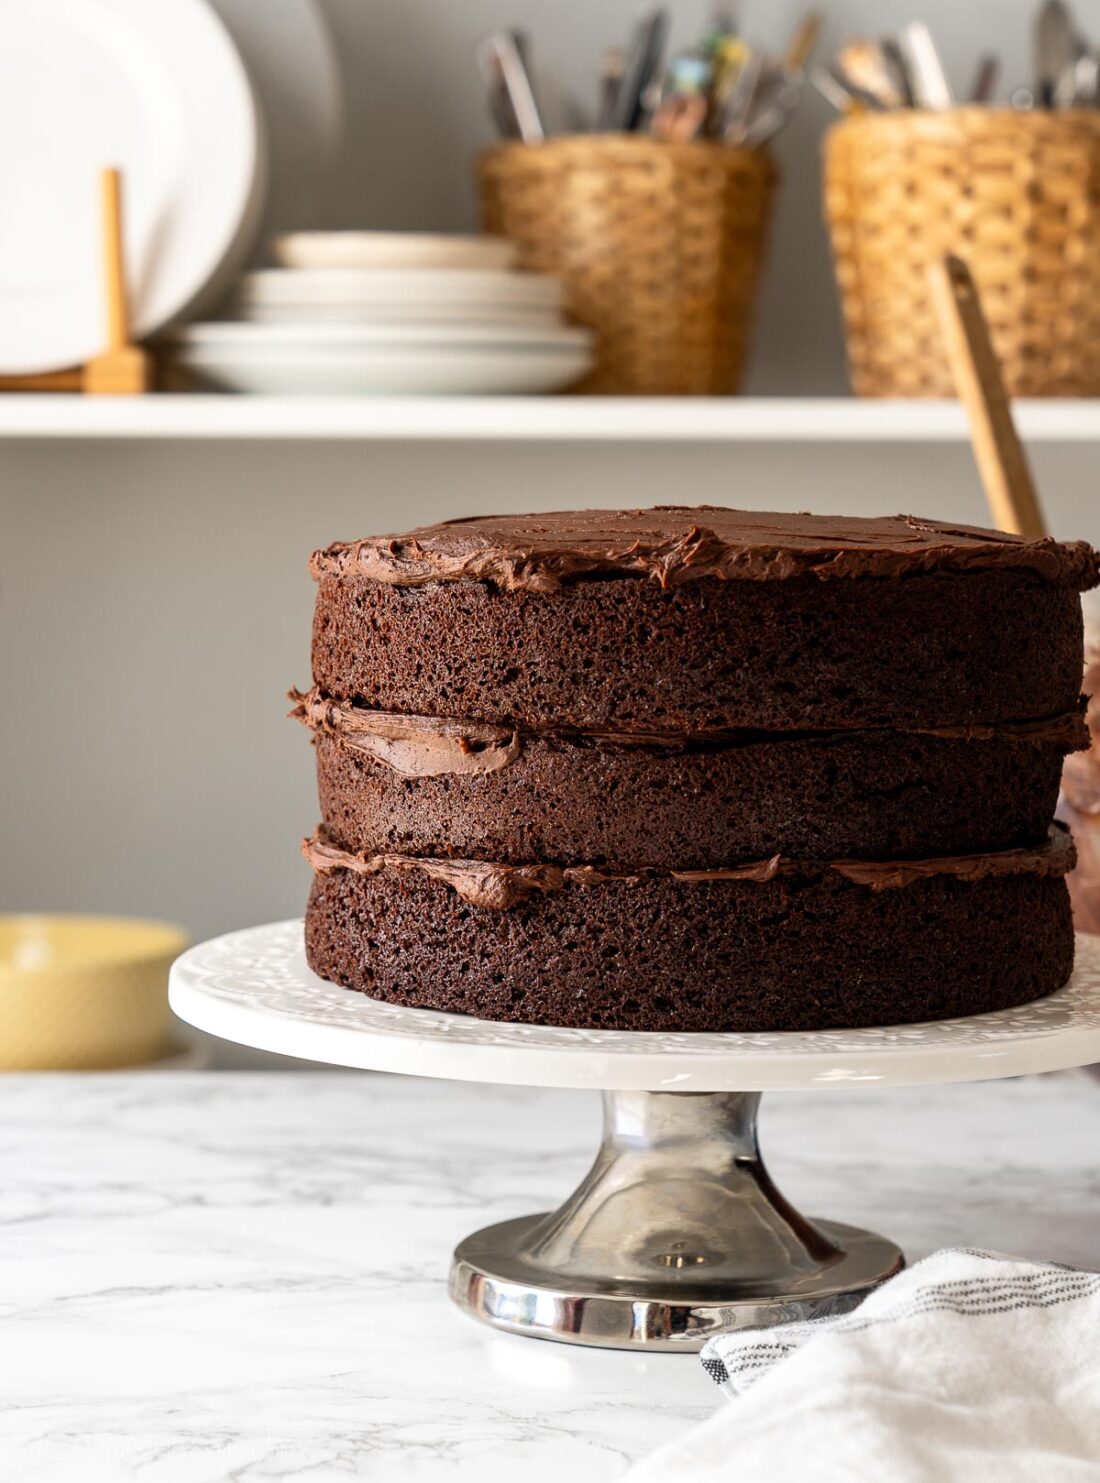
526,419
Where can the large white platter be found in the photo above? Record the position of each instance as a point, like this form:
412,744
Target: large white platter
255,988
157,88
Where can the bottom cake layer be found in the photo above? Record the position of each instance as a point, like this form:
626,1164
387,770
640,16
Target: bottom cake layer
774,947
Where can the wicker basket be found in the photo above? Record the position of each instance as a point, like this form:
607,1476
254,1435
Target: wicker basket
1015,194
659,246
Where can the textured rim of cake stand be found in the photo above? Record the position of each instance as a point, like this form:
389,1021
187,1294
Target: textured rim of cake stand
677,1231
255,988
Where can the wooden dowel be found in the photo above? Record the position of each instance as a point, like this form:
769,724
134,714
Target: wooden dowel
114,281
121,369
1002,462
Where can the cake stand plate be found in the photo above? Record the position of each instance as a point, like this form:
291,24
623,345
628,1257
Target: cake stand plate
677,1231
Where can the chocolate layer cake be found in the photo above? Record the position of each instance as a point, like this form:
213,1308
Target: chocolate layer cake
694,769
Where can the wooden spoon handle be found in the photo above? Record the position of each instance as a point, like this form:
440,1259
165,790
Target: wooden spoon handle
1002,462
803,40
114,272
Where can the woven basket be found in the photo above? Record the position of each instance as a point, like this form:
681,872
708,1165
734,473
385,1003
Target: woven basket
659,246
1017,195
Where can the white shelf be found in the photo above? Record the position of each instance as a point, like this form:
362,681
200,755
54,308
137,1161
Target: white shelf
526,419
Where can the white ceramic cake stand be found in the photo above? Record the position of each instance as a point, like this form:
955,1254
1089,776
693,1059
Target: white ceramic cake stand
677,1231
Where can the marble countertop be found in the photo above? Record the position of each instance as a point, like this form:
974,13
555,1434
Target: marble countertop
242,1276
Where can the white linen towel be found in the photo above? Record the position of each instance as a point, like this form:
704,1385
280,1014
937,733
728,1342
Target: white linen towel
969,1366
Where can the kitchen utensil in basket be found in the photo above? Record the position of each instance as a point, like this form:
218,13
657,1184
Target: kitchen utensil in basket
1002,462
659,245
1017,194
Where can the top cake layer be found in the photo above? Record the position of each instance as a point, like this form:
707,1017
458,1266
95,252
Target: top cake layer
702,619
674,544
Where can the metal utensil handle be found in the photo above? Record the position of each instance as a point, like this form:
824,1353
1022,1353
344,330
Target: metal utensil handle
929,80
517,83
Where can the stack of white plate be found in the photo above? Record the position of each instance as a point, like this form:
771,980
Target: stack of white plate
378,312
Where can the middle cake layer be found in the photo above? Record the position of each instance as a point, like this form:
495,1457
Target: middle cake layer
427,786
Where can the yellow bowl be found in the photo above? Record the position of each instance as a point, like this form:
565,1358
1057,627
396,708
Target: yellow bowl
84,993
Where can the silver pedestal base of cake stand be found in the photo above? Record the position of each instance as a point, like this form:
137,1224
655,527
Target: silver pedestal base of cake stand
676,1233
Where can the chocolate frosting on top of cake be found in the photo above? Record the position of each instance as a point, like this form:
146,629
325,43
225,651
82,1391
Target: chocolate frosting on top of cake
499,886
674,544
432,746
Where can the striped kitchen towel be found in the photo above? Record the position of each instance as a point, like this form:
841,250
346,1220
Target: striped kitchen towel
968,1366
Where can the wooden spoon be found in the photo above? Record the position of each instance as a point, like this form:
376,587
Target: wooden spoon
1002,462
123,368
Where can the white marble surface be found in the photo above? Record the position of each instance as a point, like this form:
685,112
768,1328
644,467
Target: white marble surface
241,1276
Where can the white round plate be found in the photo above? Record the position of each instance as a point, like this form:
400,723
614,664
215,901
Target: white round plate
533,318
290,57
431,287
158,90
394,250
255,988
231,336
482,369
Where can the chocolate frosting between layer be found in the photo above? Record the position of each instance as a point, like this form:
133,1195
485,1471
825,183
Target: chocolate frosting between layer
480,882
498,886
412,746
674,544
1067,731
431,746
